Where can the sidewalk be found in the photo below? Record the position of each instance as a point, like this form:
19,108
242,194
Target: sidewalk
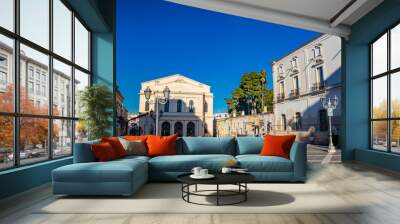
319,154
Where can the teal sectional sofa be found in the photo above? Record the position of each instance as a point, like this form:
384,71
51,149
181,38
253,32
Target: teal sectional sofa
125,176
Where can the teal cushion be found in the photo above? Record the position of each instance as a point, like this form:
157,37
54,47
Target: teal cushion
249,145
185,163
257,163
206,145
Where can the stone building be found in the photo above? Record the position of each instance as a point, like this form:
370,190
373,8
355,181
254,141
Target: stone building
246,125
122,114
188,112
300,80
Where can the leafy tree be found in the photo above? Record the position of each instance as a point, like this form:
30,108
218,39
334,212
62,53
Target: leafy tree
34,130
97,103
249,93
380,127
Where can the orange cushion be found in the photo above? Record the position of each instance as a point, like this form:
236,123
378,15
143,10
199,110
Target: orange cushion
116,145
277,145
135,138
161,145
103,152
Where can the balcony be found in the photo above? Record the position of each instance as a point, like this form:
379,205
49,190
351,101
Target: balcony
280,97
294,93
318,87
294,70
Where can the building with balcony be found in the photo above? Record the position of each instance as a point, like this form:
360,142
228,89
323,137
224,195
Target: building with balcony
188,112
122,114
300,79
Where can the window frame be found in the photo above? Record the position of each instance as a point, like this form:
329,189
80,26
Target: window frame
16,115
388,74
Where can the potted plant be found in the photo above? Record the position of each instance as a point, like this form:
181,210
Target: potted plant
96,102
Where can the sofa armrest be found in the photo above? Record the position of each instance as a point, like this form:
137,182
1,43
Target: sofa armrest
83,152
298,155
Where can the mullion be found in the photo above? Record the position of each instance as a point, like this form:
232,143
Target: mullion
389,104
73,81
50,87
16,69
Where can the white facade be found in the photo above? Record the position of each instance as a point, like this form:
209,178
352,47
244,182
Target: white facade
300,79
189,112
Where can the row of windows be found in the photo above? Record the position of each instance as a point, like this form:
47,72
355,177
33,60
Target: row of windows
41,123
179,106
385,92
316,52
295,91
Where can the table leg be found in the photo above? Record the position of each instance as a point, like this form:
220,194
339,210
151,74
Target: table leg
195,188
217,194
245,193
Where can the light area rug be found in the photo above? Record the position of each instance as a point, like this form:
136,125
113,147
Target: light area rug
166,198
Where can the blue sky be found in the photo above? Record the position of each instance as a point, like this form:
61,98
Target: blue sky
157,38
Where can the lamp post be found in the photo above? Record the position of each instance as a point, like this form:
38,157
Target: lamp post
157,101
262,94
330,104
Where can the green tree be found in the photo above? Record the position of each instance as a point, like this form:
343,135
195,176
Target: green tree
97,102
250,94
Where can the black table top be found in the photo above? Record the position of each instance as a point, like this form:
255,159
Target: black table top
220,178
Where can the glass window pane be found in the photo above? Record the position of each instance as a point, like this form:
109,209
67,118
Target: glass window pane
62,138
395,94
33,139
62,89
379,135
6,74
6,142
379,56
34,97
62,29
81,82
81,131
35,21
7,14
379,98
395,47
395,136
81,45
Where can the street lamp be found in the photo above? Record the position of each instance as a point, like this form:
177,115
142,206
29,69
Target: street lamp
158,100
330,104
262,94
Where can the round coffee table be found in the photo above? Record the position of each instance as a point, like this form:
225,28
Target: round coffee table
238,179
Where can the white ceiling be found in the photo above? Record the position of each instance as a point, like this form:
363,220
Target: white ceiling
325,16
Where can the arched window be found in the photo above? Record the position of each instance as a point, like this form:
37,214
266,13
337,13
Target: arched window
190,129
166,106
191,106
146,106
178,129
179,106
323,120
283,122
205,107
165,128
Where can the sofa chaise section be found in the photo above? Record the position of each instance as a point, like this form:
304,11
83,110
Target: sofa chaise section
87,177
